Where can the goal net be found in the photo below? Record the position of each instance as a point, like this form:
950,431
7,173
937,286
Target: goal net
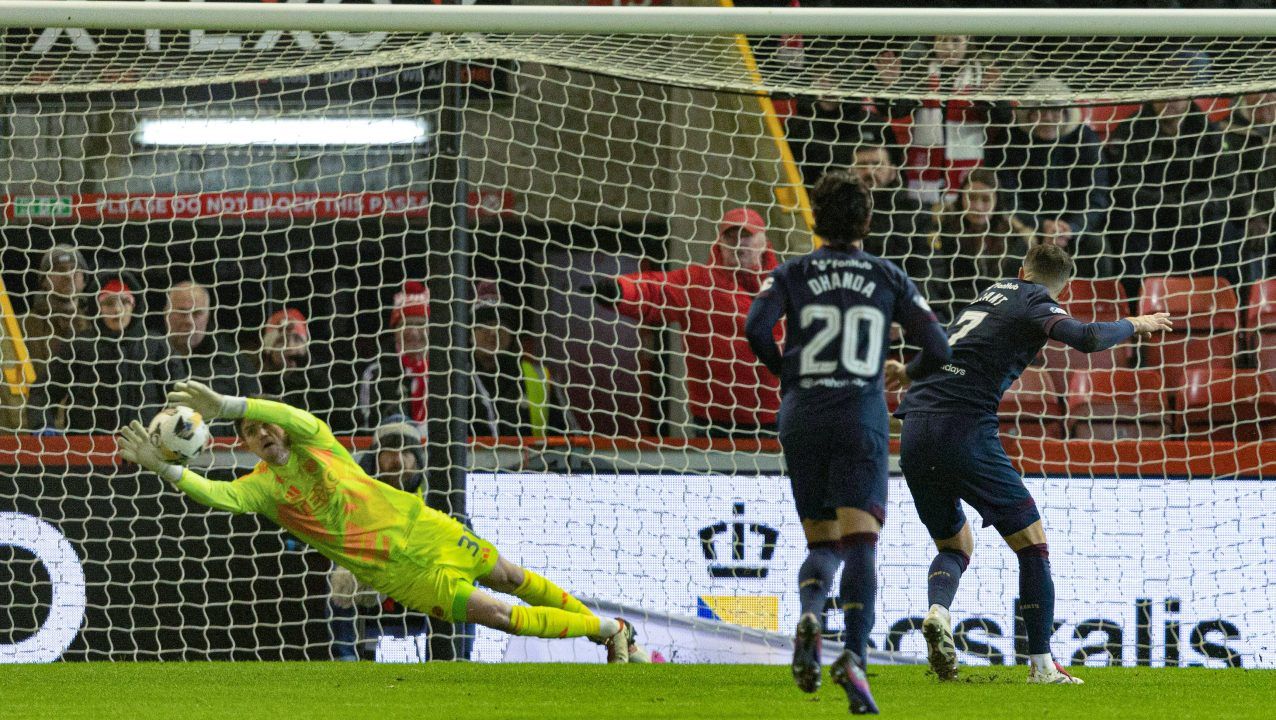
537,250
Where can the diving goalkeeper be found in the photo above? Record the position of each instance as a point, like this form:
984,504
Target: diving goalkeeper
309,484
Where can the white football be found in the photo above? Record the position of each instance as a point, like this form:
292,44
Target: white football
180,433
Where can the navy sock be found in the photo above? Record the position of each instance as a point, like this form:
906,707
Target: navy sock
859,588
1036,597
945,576
815,578
341,623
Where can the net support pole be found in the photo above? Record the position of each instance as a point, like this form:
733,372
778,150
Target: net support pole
450,360
447,270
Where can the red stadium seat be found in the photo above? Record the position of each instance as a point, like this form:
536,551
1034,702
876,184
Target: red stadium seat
1095,300
1030,408
1216,108
1089,301
1062,361
1203,311
1216,403
1116,404
1105,118
1260,322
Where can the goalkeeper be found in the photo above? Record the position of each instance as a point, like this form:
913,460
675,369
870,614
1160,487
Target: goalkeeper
309,484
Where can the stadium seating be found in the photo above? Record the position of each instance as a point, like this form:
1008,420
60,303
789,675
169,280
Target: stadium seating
1030,408
1215,403
1104,119
1115,404
1260,324
1203,311
1089,301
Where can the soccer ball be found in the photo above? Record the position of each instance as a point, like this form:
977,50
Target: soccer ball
180,433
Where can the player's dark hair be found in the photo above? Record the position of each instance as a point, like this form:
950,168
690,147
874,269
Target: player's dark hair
1048,263
842,208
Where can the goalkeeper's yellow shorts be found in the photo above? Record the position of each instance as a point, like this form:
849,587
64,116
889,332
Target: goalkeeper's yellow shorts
435,573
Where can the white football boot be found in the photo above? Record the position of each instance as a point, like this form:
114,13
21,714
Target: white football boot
1048,675
937,628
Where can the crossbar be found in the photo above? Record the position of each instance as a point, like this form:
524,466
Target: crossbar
582,20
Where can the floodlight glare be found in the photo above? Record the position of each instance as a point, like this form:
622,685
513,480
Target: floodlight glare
281,131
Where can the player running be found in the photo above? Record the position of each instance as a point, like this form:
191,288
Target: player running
839,302
309,484
950,449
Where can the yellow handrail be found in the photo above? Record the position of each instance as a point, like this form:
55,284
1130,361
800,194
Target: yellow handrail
21,376
792,197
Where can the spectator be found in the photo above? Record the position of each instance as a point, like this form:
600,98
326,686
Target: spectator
1250,133
395,384
946,137
900,229
1170,194
56,317
287,371
823,131
977,244
106,380
396,458
195,353
513,395
729,392
1054,179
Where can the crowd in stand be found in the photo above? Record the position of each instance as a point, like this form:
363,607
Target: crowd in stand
97,367
961,189
1166,190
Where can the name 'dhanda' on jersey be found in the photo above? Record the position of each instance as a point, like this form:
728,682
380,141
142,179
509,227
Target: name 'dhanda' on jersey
841,281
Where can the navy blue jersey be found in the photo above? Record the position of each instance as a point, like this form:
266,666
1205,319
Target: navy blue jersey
839,307
993,339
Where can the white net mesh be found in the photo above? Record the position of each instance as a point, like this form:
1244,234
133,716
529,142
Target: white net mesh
332,272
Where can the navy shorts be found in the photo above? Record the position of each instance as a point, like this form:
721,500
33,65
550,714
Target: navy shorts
830,470
950,458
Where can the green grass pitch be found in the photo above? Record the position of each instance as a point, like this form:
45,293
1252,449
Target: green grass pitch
454,691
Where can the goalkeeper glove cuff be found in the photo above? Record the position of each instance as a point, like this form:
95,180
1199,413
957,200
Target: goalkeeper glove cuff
171,473
233,407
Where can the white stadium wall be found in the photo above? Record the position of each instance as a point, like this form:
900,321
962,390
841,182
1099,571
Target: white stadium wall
1135,562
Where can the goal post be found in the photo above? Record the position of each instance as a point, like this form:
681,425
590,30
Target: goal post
516,227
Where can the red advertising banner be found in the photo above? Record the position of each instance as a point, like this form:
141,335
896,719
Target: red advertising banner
243,205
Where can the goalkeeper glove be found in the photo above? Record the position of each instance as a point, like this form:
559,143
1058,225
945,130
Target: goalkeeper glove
136,447
206,401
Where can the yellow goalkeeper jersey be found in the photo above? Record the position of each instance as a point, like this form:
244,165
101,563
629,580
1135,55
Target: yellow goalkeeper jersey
321,495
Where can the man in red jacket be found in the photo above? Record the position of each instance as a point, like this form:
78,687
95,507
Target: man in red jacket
729,393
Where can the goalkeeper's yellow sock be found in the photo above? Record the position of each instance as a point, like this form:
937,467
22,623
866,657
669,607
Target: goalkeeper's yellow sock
537,590
548,622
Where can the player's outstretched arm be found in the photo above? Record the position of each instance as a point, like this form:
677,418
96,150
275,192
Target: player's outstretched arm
1096,336
299,424
1147,325
134,445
